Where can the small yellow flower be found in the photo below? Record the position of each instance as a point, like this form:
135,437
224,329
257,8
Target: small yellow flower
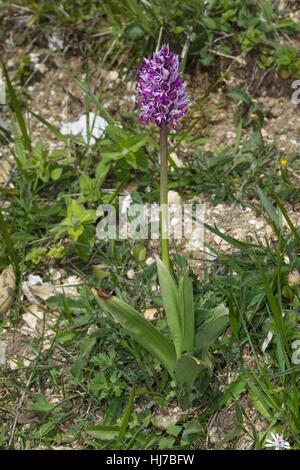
283,163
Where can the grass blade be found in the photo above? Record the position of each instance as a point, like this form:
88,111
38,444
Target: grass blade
271,211
286,216
52,128
103,112
17,110
125,420
8,243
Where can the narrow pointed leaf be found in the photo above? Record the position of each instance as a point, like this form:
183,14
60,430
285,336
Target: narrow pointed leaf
125,420
171,302
210,330
17,110
186,371
141,330
270,210
286,216
187,306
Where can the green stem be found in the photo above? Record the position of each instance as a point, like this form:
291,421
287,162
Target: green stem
164,229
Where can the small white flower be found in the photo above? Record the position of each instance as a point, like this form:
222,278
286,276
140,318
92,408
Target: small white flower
278,442
149,261
55,42
130,274
34,58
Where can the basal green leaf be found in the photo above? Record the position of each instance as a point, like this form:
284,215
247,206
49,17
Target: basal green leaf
141,330
208,331
171,302
187,311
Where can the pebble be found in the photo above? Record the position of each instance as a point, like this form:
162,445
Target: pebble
264,133
2,353
112,75
260,225
150,314
174,197
218,240
276,111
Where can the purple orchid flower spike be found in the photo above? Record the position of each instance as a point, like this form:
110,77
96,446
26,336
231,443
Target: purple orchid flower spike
162,95
162,99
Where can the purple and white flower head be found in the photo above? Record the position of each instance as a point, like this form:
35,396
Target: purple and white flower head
162,95
277,442
294,278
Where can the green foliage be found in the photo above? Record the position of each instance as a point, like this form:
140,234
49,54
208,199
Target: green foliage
250,25
249,162
77,382
141,330
77,218
203,31
259,290
173,354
